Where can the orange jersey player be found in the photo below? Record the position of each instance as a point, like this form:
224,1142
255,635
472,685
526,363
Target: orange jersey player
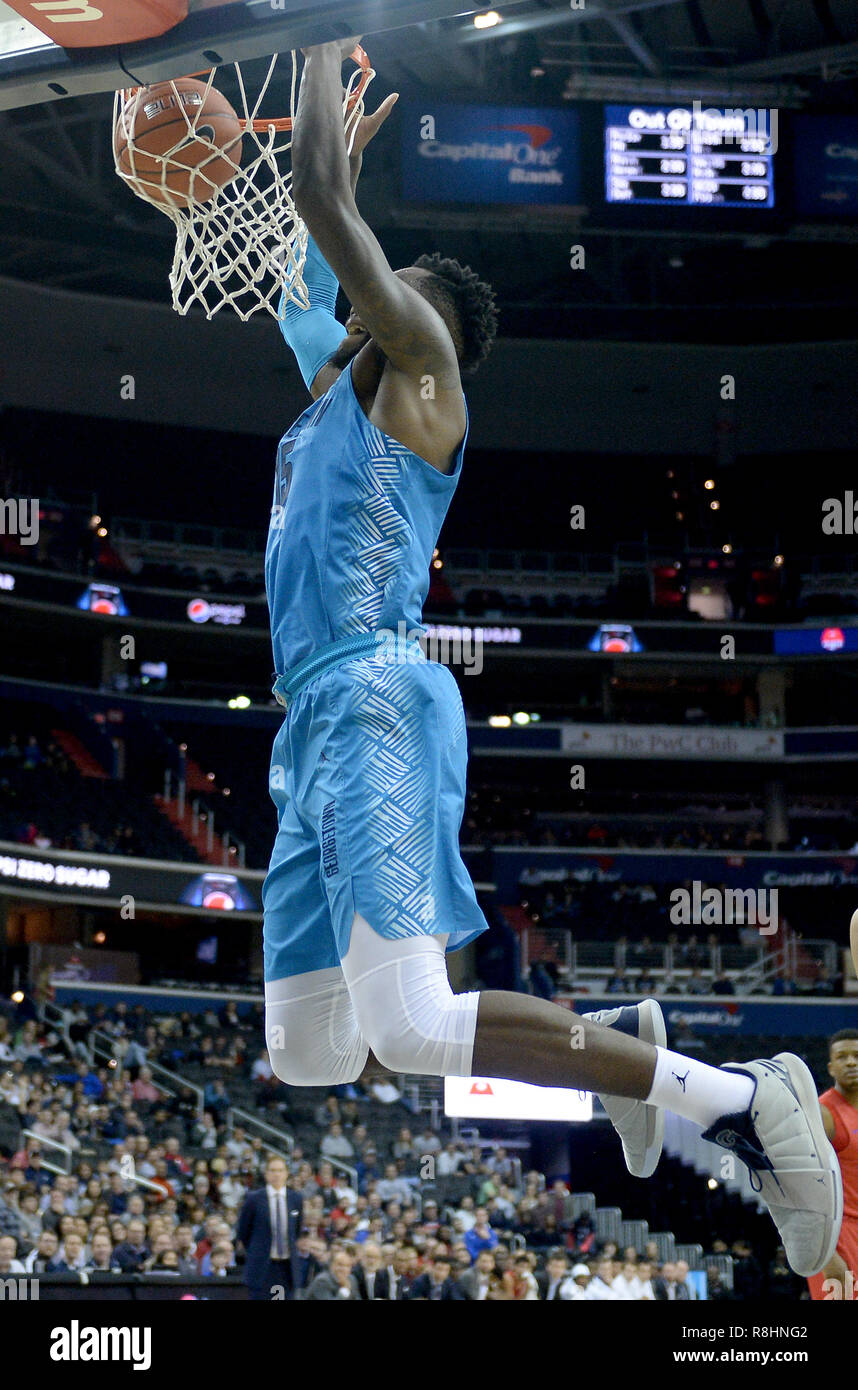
839,1278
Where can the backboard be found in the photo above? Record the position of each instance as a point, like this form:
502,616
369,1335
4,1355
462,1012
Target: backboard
33,69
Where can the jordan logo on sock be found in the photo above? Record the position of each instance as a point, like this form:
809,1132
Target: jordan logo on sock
682,1079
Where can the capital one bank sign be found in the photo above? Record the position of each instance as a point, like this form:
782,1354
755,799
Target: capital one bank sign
490,154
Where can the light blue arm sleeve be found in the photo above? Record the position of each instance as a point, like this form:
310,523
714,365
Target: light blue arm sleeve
313,334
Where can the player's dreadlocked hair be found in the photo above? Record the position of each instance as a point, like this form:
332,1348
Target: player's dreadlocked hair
458,288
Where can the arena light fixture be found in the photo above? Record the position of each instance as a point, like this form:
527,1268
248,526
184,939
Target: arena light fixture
499,721
778,561
709,484
715,505
487,20
727,549
18,997
520,717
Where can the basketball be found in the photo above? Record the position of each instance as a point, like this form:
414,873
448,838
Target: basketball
179,142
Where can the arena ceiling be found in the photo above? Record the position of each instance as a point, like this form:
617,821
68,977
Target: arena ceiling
66,220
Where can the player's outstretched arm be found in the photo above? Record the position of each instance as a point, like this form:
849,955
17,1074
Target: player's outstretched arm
853,939
314,334
410,333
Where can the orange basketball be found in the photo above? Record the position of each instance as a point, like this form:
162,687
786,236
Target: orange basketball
195,131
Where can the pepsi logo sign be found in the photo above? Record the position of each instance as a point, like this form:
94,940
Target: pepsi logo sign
832,639
199,610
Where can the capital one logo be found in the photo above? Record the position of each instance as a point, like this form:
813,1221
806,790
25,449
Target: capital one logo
535,150
67,11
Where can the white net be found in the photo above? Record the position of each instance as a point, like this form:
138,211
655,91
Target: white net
239,240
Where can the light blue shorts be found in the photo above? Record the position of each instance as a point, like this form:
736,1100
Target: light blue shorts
368,777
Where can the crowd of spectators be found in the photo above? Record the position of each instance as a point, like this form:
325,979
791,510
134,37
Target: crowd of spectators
17,807
648,954
47,803
493,817
25,754
518,824
637,817
157,1182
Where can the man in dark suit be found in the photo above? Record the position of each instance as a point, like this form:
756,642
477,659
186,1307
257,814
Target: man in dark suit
481,1280
437,1284
268,1226
664,1283
337,1281
132,1252
550,1280
306,1263
683,1289
372,1280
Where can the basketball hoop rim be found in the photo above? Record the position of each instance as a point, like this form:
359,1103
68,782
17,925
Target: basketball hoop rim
281,123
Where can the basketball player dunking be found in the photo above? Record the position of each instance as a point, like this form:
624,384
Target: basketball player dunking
366,889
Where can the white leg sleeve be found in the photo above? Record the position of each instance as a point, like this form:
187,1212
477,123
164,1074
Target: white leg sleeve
411,1019
311,1030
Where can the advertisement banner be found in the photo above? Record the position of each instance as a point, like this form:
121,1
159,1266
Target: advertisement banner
826,166
714,1015
815,641
73,964
492,1098
129,600
490,154
668,741
113,880
514,868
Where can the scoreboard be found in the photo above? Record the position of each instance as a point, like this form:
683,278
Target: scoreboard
701,157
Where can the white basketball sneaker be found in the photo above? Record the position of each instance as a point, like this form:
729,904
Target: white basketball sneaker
781,1139
640,1126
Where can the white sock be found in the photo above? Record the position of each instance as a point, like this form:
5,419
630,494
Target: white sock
697,1091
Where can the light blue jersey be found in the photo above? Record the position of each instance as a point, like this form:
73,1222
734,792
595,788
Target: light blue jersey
354,523
368,769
